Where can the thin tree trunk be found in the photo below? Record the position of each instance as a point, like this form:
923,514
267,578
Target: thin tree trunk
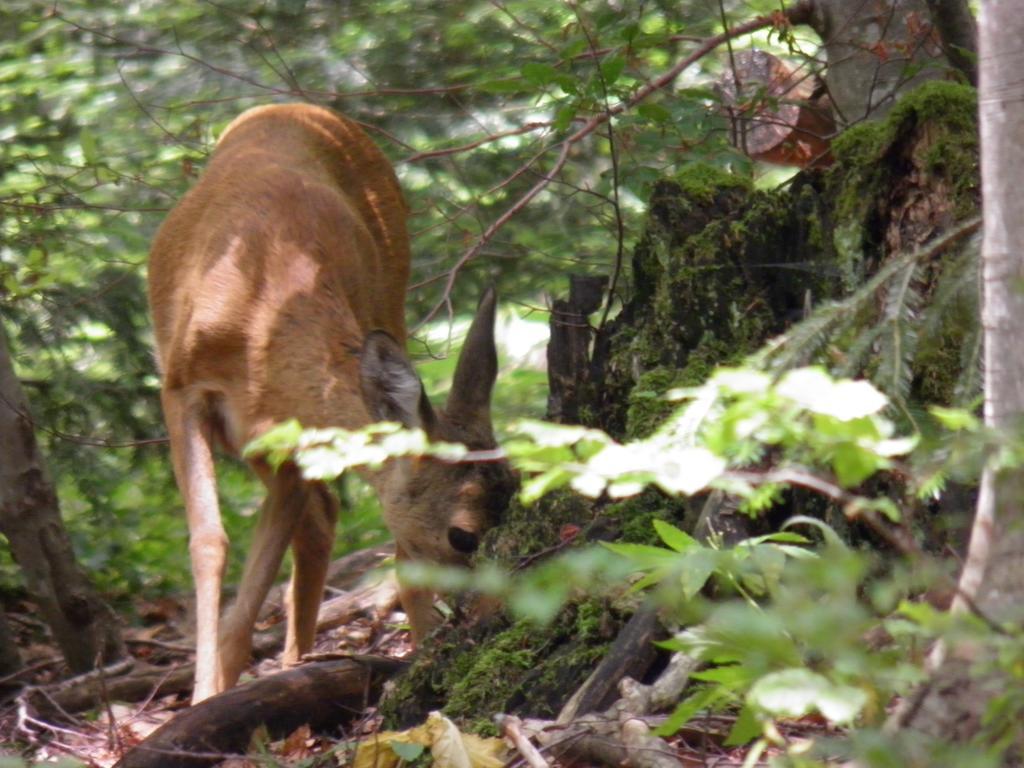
959,33
83,625
993,579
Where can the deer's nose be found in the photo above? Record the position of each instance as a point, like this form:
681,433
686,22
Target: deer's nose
462,540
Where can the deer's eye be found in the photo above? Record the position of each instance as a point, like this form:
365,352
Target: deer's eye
462,540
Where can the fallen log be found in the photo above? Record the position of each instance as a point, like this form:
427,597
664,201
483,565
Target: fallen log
135,683
323,694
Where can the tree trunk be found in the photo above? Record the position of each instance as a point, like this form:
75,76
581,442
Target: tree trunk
83,625
955,703
10,657
876,50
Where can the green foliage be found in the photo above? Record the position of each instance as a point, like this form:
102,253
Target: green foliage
108,112
805,420
785,635
894,339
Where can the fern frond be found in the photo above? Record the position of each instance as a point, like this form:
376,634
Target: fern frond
882,327
898,344
969,384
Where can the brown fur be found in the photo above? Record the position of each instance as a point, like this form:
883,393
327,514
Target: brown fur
265,282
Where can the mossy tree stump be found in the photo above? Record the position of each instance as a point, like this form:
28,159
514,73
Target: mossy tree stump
721,268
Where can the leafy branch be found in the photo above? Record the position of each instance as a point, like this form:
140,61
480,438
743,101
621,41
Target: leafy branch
798,13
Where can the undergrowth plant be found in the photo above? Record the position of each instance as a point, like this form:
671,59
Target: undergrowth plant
789,625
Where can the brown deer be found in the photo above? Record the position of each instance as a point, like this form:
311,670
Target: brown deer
277,288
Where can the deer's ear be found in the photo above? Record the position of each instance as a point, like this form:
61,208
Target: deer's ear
470,398
391,389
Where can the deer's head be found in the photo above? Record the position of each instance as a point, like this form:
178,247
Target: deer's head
437,510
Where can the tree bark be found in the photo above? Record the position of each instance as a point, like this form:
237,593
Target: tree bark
955,703
876,50
10,657
319,694
569,347
959,34
83,625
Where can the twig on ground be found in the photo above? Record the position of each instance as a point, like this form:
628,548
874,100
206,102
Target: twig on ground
512,728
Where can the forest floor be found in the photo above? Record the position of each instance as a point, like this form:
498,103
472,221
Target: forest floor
99,737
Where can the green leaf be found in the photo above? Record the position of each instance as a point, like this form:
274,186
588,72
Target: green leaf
854,464
564,117
732,676
797,691
277,444
611,68
955,419
678,540
705,699
501,86
87,139
746,728
405,750
828,533
654,112
643,555
696,571
538,73
786,537
536,487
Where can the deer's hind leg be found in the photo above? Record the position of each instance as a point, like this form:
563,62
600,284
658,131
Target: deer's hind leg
191,437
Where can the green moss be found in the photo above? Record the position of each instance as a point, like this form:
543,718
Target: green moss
648,407
518,668
860,144
862,183
491,675
953,105
527,529
949,106
701,183
636,515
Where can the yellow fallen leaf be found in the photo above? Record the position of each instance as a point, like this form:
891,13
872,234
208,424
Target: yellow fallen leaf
449,747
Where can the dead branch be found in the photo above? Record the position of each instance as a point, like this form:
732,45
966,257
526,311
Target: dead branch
90,691
512,729
322,695
605,740
135,681
631,654
621,734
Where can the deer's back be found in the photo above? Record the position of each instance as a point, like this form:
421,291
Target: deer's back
265,278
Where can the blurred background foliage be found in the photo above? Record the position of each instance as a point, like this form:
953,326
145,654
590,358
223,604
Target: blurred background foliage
108,111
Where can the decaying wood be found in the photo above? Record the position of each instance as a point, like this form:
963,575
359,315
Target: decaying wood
322,694
721,519
631,654
512,729
621,735
605,740
378,596
10,657
778,114
569,347
638,698
136,682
